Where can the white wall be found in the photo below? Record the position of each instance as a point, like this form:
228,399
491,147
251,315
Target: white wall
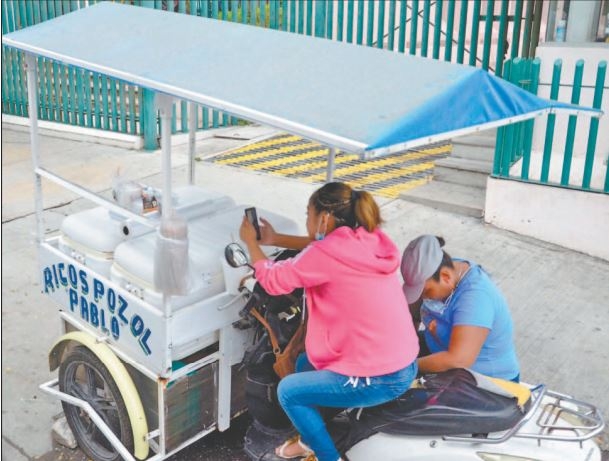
569,218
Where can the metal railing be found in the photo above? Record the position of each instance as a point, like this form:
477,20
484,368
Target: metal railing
514,142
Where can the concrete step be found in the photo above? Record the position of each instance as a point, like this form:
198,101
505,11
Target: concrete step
454,198
462,171
474,147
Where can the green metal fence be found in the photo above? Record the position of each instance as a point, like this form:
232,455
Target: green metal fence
419,27
514,141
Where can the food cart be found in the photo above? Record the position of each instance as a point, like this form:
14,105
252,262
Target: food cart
149,355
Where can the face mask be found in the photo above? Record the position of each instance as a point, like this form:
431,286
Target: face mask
434,306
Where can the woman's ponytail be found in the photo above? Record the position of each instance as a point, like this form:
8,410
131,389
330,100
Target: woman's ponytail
349,207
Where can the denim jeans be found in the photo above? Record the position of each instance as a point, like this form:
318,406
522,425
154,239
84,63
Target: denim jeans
301,393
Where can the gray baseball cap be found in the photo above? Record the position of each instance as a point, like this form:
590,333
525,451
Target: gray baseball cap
420,260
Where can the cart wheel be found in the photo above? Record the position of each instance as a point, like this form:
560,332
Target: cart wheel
83,375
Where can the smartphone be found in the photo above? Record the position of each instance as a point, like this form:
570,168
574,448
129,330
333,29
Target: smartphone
252,217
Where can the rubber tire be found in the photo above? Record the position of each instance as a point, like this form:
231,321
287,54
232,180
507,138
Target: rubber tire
81,360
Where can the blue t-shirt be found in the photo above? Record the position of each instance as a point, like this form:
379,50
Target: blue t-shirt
477,302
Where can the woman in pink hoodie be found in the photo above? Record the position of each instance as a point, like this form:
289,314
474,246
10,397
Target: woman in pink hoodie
361,346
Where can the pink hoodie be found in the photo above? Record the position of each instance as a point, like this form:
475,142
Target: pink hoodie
359,323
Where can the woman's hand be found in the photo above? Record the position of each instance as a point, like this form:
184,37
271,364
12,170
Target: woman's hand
247,232
267,233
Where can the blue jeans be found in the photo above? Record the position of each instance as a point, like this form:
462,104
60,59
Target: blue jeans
301,393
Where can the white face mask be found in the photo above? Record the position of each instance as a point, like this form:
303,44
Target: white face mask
438,306
435,306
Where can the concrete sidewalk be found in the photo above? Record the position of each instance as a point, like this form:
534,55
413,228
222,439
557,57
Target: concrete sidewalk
558,297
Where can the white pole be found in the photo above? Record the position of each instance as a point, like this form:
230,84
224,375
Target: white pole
192,141
165,105
32,92
330,170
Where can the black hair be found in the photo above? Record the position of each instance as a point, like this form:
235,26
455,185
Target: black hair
447,261
350,207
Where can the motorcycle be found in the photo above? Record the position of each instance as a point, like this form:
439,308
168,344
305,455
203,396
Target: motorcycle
457,415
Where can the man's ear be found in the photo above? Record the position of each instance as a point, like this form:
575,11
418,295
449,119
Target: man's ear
445,275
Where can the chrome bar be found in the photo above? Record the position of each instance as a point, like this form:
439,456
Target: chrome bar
541,389
49,388
92,196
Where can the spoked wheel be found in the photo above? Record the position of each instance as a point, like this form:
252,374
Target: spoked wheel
83,375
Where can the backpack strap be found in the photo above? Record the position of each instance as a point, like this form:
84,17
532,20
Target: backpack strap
265,324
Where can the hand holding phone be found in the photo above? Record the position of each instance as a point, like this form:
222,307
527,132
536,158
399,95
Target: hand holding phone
252,217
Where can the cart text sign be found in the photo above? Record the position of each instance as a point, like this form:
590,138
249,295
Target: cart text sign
97,304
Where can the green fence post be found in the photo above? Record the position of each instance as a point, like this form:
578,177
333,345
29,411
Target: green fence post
450,22
284,15
301,17
320,19
114,98
501,50
462,31
530,124
414,23
518,71
350,10
148,119
380,26
391,26
42,96
425,30
329,19
593,133
309,17
49,79
473,50
577,86
370,31
437,30
292,19
547,149
402,30
273,23
96,104
122,106
81,96
488,31
360,22
132,127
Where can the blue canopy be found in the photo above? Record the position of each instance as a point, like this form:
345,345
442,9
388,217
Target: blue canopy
360,99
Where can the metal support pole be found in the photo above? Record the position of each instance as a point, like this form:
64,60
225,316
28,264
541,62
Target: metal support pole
192,141
330,170
165,105
32,93
224,378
